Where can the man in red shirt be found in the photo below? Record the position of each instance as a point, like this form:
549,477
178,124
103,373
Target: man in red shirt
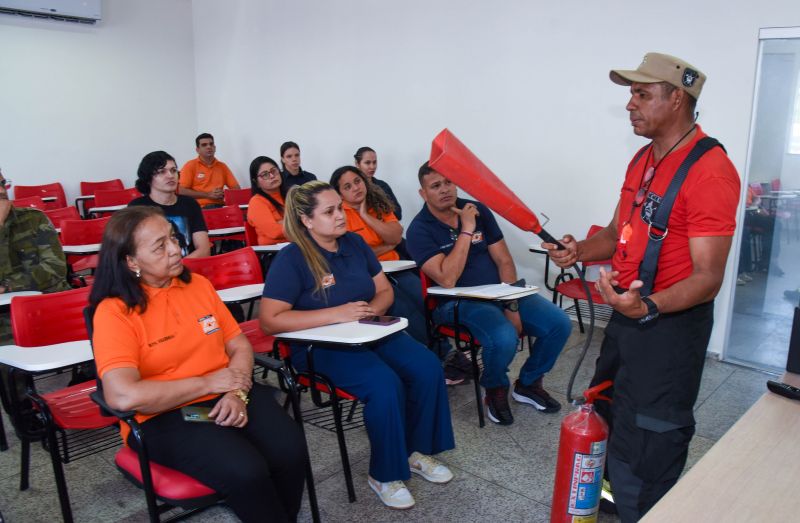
205,177
655,344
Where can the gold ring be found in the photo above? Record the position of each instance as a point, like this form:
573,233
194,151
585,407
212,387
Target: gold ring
241,414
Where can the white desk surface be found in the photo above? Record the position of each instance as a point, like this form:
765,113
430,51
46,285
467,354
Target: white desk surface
5,298
48,198
244,205
750,474
778,196
85,197
243,292
89,248
397,265
107,208
226,231
474,292
269,248
348,333
48,357
537,247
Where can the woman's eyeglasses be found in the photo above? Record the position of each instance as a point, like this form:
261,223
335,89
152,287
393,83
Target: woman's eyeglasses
6,183
268,174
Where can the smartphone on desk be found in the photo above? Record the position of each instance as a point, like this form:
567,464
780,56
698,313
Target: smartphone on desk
196,414
379,320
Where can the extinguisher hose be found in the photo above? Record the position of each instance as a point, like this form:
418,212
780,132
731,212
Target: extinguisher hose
589,333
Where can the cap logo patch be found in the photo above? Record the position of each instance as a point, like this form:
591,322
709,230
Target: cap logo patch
689,76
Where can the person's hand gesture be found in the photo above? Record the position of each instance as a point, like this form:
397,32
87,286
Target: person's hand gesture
467,215
230,411
564,258
353,311
629,302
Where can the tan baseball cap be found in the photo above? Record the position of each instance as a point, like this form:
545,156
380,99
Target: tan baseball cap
657,67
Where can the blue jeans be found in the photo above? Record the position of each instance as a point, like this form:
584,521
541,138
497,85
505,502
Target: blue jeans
488,324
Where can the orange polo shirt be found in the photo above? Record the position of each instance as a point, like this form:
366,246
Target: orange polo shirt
266,219
198,176
182,334
357,225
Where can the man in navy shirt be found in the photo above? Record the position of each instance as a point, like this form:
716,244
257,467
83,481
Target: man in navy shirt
457,243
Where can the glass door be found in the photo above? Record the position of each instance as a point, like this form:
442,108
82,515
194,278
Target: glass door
768,275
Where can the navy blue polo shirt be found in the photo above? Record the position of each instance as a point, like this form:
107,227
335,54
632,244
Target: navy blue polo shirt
427,237
353,266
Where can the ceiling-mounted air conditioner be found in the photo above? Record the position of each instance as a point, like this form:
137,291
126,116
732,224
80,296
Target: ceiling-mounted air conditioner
82,11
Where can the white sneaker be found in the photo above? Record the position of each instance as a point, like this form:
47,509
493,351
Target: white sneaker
394,494
429,468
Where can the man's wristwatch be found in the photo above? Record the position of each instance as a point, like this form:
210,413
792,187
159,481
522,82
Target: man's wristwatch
511,305
652,311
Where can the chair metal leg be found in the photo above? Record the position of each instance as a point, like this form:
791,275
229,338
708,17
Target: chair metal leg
348,474
3,440
476,375
25,464
58,472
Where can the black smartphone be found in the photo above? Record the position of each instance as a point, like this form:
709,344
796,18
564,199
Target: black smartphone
196,414
379,320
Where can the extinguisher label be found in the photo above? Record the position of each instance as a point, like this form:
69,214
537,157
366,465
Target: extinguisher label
587,480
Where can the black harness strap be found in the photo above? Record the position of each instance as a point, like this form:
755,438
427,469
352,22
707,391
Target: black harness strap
649,264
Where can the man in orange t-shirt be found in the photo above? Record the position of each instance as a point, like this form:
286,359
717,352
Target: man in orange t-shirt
205,177
655,343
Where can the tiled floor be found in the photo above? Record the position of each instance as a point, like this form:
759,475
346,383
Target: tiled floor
502,473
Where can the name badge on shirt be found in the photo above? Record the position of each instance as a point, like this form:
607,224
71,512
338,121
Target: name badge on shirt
209,324
477,237
328,281
650,207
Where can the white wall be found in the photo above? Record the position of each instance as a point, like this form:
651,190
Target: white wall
82,103
524,84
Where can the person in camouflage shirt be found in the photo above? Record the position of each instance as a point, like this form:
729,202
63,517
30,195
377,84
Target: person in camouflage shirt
30,254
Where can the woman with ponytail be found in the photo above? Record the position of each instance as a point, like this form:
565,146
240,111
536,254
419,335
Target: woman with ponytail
329,275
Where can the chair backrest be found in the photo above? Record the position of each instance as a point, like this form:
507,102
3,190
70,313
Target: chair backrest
231,269
262,343
426,282
46,319
83,232
223,217
56,216
43,191
237,196
34,202
594,229
106,198
89,188
250,235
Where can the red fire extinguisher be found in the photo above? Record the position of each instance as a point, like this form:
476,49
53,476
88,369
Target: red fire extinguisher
581,459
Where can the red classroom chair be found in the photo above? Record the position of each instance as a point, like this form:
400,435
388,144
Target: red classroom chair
43,191
56,216
230,269
238,196
224,218
89,188
32,202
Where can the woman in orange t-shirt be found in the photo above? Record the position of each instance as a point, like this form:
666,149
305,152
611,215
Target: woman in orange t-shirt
369,214
164,340
265,210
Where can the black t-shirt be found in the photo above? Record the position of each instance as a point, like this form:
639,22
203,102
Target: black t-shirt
185,215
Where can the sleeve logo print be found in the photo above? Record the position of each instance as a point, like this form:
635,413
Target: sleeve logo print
209,324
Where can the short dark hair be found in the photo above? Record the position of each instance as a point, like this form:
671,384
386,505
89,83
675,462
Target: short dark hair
151,163
360,153
257,162
667,89
424,170
202,136
113,278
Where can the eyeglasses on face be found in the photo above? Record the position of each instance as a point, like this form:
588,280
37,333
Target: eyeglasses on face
5,182
269,173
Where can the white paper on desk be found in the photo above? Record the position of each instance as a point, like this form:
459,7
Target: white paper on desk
492,291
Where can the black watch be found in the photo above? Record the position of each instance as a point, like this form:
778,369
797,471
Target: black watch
511,305
652,311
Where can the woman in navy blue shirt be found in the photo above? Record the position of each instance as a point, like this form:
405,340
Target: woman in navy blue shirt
328,275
